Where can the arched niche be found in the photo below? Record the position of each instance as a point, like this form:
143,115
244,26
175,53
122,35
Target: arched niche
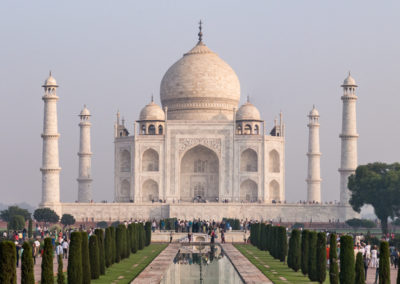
199,175
274,162
150,191
152,129
125,190
150,161
249,161
247,129
274,192
248,191
125,161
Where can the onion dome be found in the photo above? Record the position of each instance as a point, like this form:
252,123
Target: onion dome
248,112
84,111
314,112
50,81
152,112
349,81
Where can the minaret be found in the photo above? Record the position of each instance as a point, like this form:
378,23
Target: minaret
349,136
314,157
50,163
85,156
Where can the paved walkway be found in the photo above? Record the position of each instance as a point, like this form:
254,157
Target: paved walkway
248,272
372,271
38,268
154,272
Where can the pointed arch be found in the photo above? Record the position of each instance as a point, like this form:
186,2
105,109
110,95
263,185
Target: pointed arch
274,162
125,190
249,161
150,161
248,191
247,129
125,161
150,191
152,130
274,191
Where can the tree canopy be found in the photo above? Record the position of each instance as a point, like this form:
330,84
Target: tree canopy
67,219
46,215
6,215
360,223
377,184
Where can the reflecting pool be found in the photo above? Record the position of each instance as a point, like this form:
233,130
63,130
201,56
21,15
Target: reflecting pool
201,264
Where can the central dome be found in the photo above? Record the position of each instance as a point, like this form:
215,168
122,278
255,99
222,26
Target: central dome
200,86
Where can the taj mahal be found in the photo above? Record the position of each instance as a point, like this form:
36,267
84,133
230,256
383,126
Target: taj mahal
200,154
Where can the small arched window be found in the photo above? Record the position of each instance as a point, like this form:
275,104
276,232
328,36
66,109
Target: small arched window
160,130
143,129
247,129
256,130
239,130
152,129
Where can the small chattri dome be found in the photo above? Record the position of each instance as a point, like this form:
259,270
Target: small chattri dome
85,111
248,112
152,112
349,81
50,81
314,112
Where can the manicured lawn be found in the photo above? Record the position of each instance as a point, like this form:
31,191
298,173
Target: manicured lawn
272,268
128,269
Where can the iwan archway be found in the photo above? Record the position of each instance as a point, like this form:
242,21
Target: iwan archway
199,176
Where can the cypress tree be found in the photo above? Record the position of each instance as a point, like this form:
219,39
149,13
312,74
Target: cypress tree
384,264
94,257
100,241
30,228
312,256
333,263
128,242
135,247
8,263
347,268
113,244
108,248
85,259
131,239
290,251
360,273
75,259
60,272
268,237
147,228
304,251
141,236
282,239
124,243
119,245
47,276
398,274
27,275
321,257
294,251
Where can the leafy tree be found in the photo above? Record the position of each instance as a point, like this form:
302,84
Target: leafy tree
85,259
17,222
384,264
75,259
46,215
100,240
360,223
347,268
360,273
108,247
27,275
321,257
94,257
377,184
312,256
67,220
294,250
47,263
304,251
102,224
60,272
8,262
6,215
147,228
333,262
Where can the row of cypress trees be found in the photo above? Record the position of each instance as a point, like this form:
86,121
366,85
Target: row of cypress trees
270,238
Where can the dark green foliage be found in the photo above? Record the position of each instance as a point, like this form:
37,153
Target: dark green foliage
312,256
128,243
298,226
294,254
47,263
384,263
234,223
282,243
27,275
360,273
398,275
6,215
321,257
264,238
108,247
169,223
333,261
135,244
94,257
75,259
102,224
46,215
142,237
360,223
304,251
67,220
147,228
17,222
30,228
268,237
130,237
119,244
115,224
8,262
85,259
100,241
113,245
60,273
347,268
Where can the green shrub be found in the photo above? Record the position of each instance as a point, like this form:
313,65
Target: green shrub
67,220
360,273
384,264
347,268
85,259
135,244
398,275
113,244
312,256
128,242
8,262
60,272
47,263
268,237
17,222
115,224
304,251
108,247
360,223
27,275
102,224
75,259
294,255
333,261
282,245
100,241
147,228
94,257
321,257
119,243
142,236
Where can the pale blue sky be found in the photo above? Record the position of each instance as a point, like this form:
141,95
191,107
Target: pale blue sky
112,55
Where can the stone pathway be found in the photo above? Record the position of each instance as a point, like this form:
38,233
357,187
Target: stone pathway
38,269
372,271
154,272
248,272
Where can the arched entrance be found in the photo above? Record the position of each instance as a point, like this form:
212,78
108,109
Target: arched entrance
149,191
199,177
248,191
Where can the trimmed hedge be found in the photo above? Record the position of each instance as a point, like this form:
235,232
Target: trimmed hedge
60,272
304,251
333,261
347,268
294,254
321,257
108,247
100,242
312,256
94,257
147,228
384,263
75,259
85,259
47,276
8,262
27,275
360,272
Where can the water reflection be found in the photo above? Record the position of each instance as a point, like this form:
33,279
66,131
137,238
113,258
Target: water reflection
201,264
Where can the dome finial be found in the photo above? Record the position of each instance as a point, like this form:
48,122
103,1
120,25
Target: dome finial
49,73
200,34
152,98
248,98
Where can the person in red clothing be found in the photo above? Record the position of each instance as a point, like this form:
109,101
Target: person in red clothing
327,254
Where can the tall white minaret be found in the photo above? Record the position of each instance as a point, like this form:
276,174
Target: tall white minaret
314,157
85,158
50,163
349,136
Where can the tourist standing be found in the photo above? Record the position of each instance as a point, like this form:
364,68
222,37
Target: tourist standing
154,225
366,264
65,246
222,237
59,250
170,237
212,236
374,257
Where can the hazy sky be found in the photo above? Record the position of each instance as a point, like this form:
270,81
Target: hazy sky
112,55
